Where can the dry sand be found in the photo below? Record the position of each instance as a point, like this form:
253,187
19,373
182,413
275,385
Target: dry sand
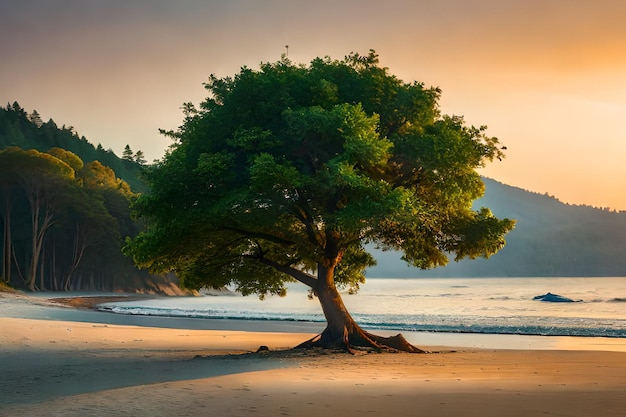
63,368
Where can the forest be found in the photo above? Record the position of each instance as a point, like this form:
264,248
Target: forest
65,210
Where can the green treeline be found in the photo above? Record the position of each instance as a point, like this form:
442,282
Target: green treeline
28,131
63,216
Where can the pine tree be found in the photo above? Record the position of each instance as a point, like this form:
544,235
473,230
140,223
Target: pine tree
140,158
36,118
127,155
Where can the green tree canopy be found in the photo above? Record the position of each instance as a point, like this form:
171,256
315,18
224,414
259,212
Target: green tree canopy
68,157
18,128
287,172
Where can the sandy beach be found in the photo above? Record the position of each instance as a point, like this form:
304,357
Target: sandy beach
53,367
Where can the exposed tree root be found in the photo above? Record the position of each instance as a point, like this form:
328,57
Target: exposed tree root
397,342
360,340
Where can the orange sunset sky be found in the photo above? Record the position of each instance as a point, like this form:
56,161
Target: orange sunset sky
547,77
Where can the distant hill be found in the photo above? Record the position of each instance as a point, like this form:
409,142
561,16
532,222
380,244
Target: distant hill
550,239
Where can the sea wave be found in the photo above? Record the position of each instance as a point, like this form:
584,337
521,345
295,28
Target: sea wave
519,325
207,314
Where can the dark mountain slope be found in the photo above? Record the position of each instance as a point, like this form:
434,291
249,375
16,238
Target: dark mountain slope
550,239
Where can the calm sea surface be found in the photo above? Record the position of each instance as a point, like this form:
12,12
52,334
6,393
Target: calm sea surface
442,305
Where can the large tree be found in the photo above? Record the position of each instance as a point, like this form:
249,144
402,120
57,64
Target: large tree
43,179
287,173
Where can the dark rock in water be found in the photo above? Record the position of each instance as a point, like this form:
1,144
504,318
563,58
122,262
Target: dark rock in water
554,298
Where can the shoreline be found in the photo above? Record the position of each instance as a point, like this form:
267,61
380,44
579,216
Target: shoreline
83,308
55,367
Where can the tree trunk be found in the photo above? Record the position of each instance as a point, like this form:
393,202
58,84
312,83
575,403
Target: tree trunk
42,219
342,332
7,242
78,250
42,282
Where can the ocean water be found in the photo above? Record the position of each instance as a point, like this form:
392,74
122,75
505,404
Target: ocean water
442,305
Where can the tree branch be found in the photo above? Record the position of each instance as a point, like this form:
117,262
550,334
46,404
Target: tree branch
301,211
307,279
304,215
266,236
